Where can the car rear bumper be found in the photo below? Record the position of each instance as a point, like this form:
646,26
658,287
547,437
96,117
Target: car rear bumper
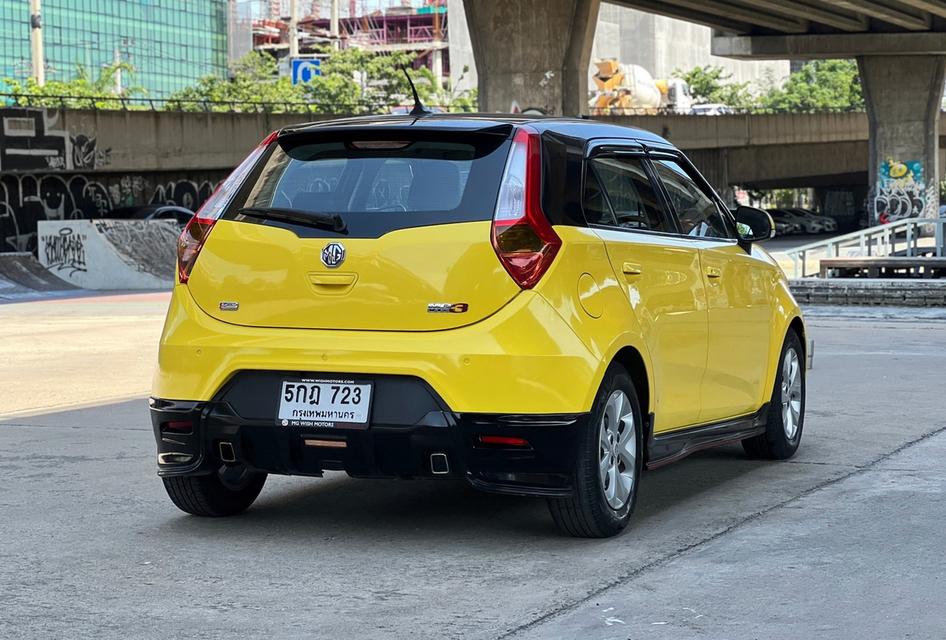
441,444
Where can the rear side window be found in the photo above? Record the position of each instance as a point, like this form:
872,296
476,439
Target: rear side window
619,193
697,213
382,185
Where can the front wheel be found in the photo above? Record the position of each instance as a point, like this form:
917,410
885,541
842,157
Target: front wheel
226,493
608,465
786,416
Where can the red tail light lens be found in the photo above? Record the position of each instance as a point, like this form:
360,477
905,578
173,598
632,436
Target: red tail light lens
182,427
192,239
522,237
190,243
504,441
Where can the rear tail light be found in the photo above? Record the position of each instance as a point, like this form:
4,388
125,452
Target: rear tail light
192,239
190,243
522,237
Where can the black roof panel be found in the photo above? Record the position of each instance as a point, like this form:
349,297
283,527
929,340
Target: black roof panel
575,127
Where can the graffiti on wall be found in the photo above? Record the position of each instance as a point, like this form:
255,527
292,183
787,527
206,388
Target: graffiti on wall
25,199
900,191
49,171
65,251
31,140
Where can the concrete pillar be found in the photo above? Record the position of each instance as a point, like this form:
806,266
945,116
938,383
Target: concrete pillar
532,53
903,95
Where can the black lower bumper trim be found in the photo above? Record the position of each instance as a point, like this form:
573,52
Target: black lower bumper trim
449,446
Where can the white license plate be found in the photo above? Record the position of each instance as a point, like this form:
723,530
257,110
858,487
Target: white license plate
324,403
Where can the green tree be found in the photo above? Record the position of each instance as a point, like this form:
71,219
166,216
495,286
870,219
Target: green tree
351,81
82,92
711,84
254,85
821,85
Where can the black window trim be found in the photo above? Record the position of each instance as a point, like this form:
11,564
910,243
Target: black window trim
624,148
664,153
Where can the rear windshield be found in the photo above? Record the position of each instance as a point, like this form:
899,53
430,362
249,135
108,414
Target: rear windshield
380,185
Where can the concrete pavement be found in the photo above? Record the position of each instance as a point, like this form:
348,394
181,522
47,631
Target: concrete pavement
77,350
94,549
861,557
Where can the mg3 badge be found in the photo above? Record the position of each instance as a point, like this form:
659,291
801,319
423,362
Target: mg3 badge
333,255
446,307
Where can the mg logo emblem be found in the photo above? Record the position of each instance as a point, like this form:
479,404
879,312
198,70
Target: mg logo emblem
333,255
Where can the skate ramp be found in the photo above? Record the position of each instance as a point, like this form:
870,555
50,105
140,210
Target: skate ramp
110,254
22,276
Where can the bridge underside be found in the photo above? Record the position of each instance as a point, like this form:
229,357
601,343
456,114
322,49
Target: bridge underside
812,28
536,53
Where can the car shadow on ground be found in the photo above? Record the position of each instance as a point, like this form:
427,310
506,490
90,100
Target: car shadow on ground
350,508
356,508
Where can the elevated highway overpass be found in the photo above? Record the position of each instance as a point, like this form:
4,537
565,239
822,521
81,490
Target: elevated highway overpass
900,47
779,150
83,163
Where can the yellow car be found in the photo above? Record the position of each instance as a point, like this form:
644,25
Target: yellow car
543,307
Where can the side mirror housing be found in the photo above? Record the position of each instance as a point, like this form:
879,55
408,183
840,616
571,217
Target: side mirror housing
753,225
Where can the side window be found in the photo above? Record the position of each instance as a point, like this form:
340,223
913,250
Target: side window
597,210
622,195
697,213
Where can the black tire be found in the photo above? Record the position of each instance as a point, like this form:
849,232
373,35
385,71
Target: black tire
775,443
587,513
211,496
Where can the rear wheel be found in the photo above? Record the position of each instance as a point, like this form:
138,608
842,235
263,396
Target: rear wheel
227,492
786,416
608,467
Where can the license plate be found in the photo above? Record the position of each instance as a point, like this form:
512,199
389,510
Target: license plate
324,403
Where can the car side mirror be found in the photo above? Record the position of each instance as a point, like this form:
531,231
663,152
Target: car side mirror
753,225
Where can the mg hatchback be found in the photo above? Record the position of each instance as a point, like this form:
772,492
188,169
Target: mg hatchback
543,307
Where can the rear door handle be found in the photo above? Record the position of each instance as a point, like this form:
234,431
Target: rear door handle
631,269
714,272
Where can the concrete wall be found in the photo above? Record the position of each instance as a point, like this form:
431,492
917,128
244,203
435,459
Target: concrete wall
461,49
37,140
713,132
81,164
67,164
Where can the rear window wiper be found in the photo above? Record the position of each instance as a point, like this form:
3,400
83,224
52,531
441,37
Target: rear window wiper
330,221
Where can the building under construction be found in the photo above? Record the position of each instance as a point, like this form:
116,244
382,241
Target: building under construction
383,26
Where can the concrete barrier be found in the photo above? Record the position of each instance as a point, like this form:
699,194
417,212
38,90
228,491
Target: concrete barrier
110,254
870,292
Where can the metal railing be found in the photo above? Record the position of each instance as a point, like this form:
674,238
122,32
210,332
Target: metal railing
901,237
131,103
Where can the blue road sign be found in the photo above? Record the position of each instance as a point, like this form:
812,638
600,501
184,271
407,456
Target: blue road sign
304,69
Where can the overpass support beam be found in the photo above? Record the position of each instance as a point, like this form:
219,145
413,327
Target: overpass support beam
903,95
532,53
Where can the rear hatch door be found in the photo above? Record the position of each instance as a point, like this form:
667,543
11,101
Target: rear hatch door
361,229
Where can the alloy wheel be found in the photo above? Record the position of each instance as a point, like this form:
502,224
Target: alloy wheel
617,450
791,393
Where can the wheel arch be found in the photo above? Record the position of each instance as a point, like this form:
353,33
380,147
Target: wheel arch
633,361
793,322
798,326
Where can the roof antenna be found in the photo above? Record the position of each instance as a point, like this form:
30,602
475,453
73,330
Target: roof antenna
419,108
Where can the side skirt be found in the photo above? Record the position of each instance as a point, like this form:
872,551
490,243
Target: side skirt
669,447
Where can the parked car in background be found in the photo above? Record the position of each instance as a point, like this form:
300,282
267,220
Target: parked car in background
830,224
805,224
785,228
541,307
711,109
182,215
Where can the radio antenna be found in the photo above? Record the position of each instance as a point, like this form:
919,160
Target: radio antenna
419,108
